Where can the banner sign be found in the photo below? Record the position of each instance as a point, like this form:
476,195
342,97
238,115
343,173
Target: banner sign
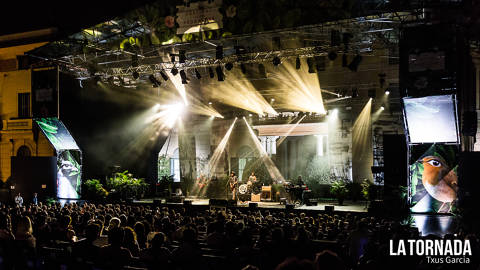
199,16
45,92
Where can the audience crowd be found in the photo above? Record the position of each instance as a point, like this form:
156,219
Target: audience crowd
119,236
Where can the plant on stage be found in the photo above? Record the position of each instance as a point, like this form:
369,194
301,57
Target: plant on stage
94,190
126,186
163,166
366,188
339,190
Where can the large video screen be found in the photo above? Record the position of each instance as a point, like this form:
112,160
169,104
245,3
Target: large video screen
69,174
431,119
433,178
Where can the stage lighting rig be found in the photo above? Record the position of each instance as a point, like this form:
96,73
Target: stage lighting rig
219,52
197,74
210,72
183,75
243,68
353,66
154,81
174,71
182,57
276,61
311,66
135,75
220,74
164,75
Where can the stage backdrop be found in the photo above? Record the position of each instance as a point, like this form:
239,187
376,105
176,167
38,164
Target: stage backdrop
69,157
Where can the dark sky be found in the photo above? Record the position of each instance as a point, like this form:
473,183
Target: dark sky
68,16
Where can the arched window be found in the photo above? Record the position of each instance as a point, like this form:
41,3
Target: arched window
23,151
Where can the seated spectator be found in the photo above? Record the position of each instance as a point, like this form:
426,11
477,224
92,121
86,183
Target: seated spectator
114,255
130,241
86,250
156,253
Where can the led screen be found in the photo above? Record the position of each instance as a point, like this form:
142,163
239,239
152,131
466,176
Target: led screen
433,178
69,174
69,157
431,119
56,133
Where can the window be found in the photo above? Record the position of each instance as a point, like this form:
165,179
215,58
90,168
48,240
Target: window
24,105
175,166
23,151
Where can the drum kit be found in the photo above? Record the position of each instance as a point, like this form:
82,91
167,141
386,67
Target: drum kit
247,189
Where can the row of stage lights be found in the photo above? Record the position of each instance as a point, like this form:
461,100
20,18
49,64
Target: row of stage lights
314,64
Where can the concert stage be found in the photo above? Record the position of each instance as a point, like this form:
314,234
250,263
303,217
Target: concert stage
348,206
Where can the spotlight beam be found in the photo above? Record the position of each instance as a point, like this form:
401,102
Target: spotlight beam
271,168
217,154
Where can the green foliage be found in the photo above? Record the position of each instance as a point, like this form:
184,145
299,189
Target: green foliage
163,166
49,201
126,186
94,190
365,188
339,189
317,175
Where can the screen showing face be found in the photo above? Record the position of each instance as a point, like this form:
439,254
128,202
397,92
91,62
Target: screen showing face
433,178
431,119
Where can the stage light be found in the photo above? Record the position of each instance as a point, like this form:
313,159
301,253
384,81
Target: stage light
311,66
197,74
344,60
272,99
135,75
381,79
332,55
243,117
229,66
184,77
174,71
164,76
382,108
354,92
298,63
209,103
276,61
181,56
210,72
220,74
154,81
387,92
243,68
353,66
261,70
219,52
249,115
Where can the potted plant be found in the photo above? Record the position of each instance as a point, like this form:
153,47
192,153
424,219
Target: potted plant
339,190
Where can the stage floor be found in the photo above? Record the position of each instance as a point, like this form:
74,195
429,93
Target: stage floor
348,206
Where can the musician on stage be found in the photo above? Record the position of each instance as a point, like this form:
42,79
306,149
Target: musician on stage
302,186
233,183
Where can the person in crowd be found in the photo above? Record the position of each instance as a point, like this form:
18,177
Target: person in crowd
114,255
130,241
19,200
156,253
35,199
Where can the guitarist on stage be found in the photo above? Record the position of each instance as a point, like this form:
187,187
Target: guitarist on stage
233,183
